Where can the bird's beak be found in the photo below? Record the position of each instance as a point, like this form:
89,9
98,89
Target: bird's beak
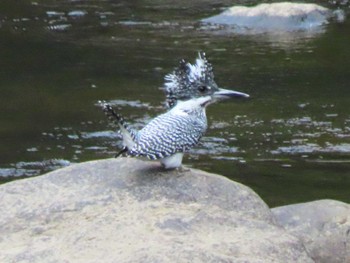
222,94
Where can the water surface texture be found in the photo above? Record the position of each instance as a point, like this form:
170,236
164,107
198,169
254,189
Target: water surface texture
290,142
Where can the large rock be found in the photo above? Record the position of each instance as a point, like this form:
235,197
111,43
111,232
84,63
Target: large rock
283,16
125,210
323,226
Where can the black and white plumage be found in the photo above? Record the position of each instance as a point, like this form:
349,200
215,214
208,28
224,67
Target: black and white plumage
129,135
189,81
189,90
168,136
178,130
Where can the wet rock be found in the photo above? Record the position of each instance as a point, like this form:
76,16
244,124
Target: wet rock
323,226
283,16
126,210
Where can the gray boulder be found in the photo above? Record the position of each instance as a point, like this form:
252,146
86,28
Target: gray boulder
272,17
126,210
323,226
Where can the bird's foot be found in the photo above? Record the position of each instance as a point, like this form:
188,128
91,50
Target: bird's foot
183,169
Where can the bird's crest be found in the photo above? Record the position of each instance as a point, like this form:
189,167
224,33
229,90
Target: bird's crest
185,81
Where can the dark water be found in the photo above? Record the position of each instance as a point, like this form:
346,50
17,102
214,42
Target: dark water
290,142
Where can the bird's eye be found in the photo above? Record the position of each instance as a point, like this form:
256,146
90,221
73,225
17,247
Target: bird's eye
202,88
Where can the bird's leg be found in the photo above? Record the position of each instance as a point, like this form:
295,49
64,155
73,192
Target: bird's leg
125,149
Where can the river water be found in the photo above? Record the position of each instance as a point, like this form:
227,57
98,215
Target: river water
290,142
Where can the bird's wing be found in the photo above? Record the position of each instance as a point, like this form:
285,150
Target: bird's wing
168,134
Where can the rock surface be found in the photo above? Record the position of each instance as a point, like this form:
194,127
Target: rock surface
126,210
323,226
283,16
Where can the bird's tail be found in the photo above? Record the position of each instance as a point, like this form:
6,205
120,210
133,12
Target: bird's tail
129,134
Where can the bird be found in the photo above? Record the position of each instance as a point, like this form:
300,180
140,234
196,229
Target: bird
189,89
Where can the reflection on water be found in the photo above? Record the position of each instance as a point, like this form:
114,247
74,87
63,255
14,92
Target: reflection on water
290,142
32,168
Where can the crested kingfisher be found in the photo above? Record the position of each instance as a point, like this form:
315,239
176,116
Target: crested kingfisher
189,89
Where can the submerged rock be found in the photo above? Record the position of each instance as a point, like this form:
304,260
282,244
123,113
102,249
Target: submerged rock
323,226
283,16
126,210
